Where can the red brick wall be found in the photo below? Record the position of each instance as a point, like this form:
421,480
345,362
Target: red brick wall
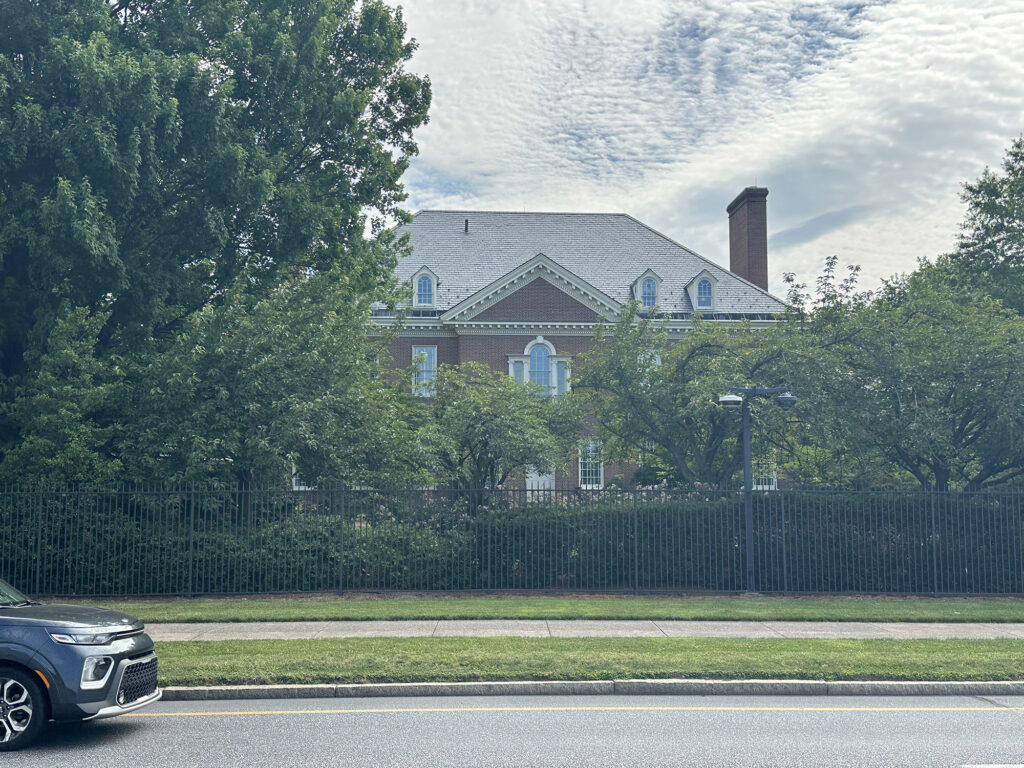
447,350
536,302
496,350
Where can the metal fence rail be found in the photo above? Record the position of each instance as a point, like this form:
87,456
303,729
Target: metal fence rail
190,541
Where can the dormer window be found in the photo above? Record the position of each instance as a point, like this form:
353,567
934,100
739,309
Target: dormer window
704,294
424,291
648,292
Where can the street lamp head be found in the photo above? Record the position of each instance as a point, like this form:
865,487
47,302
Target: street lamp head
786,401
730,401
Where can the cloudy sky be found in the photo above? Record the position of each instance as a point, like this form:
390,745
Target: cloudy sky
862,119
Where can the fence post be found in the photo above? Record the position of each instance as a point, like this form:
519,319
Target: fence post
39,538
341,537
935,545
490,540
191,535
636,548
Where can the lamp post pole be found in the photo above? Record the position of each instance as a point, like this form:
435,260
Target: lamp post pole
785,401
748,495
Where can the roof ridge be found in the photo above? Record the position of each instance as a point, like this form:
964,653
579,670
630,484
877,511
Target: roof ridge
523,213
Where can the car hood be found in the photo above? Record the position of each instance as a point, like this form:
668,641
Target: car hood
57,615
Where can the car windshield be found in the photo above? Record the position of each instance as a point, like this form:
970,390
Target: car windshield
9,595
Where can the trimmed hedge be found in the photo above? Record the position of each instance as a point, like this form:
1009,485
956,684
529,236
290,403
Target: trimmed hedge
179,541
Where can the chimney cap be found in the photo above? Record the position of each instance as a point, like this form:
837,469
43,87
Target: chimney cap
757,194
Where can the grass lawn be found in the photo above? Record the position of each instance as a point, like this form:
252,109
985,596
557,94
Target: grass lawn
502,658
326,608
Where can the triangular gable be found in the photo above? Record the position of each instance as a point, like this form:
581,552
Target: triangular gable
540,266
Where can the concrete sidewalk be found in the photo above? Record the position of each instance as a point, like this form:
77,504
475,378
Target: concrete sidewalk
285,630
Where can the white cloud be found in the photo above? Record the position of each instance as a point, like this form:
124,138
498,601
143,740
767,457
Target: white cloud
862,119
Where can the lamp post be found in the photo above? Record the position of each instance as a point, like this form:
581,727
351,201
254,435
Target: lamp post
739,397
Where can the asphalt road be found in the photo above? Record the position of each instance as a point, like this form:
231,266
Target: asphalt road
549,730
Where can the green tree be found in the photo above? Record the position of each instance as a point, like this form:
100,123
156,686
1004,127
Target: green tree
63,410
656,400
255,387
990,250
928,376
486,427
158,158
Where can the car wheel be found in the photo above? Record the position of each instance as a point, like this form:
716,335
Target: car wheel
23,712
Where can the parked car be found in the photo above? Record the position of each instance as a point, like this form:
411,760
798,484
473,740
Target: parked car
68,663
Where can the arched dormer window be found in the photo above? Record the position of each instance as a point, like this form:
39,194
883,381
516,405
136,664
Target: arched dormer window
424,291
704,294
648,292
542,365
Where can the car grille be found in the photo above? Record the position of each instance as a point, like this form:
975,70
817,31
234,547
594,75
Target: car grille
138,681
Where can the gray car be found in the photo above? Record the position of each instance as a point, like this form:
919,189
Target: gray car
68,663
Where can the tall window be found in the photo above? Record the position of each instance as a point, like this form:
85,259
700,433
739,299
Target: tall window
648,292
540,366
591,466
424,291
561,377
425,360
704,294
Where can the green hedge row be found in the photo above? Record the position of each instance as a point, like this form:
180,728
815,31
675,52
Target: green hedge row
183,542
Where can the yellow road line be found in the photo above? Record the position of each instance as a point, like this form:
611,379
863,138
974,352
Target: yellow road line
390,710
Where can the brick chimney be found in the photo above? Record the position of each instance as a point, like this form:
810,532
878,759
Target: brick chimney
748,235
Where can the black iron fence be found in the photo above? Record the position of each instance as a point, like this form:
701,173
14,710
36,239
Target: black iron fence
192,541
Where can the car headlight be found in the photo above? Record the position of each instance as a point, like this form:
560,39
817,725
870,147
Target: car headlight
96,670
82,638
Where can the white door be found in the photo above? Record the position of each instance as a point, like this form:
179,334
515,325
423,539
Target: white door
535,481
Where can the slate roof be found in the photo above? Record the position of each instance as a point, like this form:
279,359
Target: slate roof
608,250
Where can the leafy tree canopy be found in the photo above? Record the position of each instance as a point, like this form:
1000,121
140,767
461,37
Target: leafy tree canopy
927,375
990,250
256,387
486,427
159,160
656,400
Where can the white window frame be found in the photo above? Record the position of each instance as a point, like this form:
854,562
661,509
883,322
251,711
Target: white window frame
693,289
591,447
420,383
711,294
638,289
519,367
643,297
416,303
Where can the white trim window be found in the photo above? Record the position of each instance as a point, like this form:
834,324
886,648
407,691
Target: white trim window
591,466
425,360
704,294
424,291
648,293
542,365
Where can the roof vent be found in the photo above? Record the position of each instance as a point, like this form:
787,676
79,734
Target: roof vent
466,230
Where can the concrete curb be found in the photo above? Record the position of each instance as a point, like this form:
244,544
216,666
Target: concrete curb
600,688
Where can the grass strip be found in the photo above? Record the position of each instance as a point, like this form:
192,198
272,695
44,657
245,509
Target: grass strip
366,660
690,608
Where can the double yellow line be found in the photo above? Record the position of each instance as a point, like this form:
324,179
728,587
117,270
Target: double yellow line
402,710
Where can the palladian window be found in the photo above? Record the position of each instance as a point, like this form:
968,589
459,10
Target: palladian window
541,364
